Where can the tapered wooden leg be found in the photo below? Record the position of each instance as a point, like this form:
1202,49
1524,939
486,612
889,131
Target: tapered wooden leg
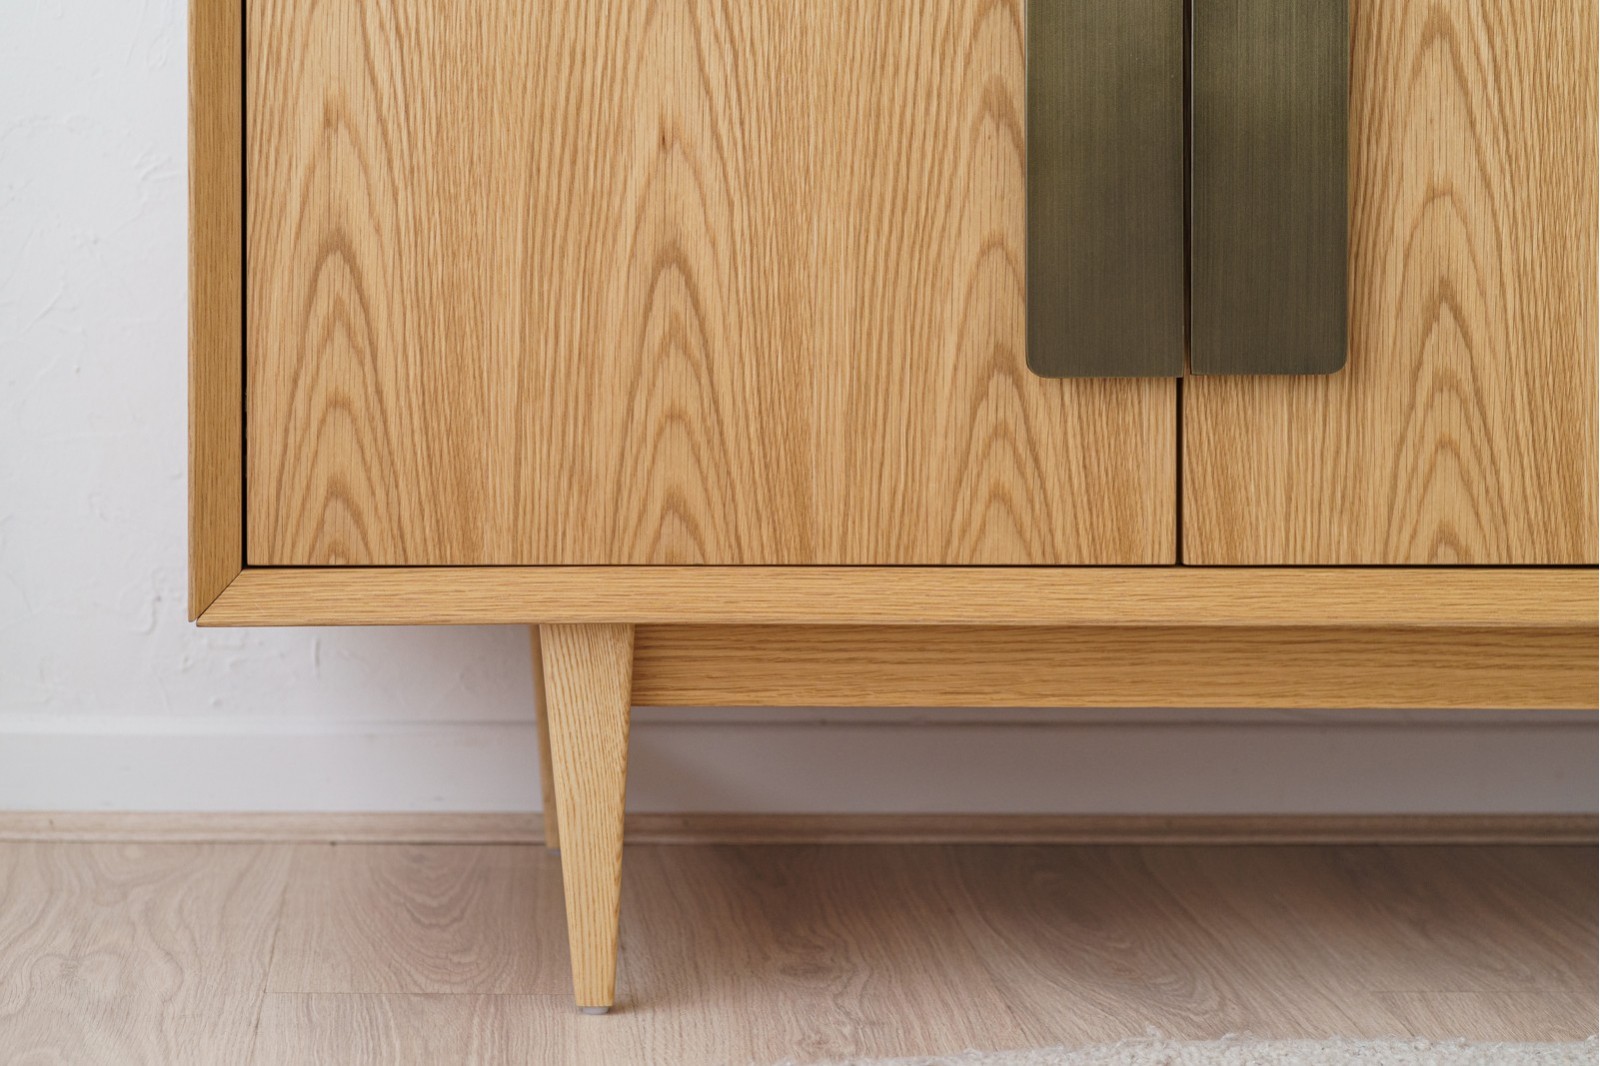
547,779
588,677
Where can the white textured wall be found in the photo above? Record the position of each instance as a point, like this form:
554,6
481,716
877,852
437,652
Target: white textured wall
109,699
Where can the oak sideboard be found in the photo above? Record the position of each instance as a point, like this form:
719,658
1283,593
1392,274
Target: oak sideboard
794,352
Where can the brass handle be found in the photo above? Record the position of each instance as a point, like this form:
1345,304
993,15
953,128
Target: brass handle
1265,213
1269,216
1105,260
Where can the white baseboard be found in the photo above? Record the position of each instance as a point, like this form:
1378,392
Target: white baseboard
850,762
424,827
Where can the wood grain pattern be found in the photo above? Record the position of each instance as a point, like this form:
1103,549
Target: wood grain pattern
512,1030
422,919
818,945
412,1030
670,283
1127,927
1138,596
135,953
1464,428
1514,1016
588,675
1183,920
1377,894
964,666
216,300
428,827
801,937
145,954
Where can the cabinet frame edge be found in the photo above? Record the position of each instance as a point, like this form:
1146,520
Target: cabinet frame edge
1248,597
216,300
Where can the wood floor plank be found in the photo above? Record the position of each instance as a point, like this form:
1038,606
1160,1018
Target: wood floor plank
422,919
1279,942
1535,1017
810,952
412,1030
1095,945
1361,923
1443,920
135,953
1553,890
476,1030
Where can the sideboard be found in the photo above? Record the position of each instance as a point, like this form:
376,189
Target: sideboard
696,337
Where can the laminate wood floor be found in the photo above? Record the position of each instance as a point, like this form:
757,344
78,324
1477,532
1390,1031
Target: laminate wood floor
349,954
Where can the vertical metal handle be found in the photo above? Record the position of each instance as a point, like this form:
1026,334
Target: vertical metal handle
1105,259
1268,186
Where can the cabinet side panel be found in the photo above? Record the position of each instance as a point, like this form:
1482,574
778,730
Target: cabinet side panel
596,281
216,300
1464,428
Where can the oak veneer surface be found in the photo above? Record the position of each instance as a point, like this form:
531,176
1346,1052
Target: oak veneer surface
964,666
1511,598
599,281
588,676
1464,428
216,301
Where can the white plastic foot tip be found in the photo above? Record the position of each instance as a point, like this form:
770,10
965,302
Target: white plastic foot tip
594,1010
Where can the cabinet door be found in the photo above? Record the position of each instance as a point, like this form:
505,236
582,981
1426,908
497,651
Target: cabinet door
1463,429
605,281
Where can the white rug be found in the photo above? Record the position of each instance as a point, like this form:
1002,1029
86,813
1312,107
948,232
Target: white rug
1246,1052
